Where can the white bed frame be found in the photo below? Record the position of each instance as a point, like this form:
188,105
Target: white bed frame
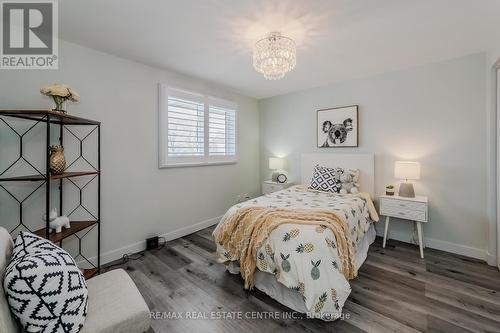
363,162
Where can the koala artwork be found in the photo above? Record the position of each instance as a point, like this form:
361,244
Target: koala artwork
336,133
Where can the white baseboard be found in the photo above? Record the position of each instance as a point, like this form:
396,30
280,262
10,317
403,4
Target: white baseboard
140,246
492,259
400,236
440,245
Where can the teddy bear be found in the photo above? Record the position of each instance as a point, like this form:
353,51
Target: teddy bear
349,181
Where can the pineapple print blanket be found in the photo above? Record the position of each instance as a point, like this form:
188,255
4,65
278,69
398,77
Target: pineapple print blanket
307,257
243,233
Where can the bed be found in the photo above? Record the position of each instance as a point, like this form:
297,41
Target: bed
300,265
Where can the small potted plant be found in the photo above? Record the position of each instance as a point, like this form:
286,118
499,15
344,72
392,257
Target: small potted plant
389,190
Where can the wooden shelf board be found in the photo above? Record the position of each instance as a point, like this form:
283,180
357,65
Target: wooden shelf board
89,272
52,177
74,174
56,117
23,178
76,226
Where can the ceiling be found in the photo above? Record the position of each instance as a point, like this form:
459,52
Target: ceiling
336,39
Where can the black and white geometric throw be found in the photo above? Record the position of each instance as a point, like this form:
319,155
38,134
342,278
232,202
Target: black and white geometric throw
326,179
45,289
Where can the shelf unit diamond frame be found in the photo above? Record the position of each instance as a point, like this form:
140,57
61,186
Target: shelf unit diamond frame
64,121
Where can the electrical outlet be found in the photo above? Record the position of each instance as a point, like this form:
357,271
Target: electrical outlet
152,243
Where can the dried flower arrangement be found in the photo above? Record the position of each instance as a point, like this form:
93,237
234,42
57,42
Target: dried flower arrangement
60,93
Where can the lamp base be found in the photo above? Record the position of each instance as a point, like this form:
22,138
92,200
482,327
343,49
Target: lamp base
274,176
406,190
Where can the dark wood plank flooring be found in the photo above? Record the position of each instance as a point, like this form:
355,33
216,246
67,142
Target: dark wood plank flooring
395,291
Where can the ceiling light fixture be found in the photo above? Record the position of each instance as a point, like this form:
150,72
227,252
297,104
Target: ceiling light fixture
274,56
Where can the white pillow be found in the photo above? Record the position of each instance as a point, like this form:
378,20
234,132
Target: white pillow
45,289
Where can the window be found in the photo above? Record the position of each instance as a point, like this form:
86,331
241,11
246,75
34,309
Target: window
195,129
221,131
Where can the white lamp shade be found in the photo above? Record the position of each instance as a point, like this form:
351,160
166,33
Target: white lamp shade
407,170
276,163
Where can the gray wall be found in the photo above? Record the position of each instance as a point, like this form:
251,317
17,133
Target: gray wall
434,114
138,199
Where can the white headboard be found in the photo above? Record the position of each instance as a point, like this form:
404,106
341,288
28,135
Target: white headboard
363,162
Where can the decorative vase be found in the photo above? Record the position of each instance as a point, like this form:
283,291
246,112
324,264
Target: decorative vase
59,104
57,160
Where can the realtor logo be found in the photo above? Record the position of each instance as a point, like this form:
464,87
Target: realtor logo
29,34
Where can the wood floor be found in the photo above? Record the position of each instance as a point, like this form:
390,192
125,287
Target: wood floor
396,291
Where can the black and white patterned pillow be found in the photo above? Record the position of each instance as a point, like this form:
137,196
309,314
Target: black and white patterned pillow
45,289
326,179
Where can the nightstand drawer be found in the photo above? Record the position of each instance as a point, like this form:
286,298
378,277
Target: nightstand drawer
404,205
269,187
404,213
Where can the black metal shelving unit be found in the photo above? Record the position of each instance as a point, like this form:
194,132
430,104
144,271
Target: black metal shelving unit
60,122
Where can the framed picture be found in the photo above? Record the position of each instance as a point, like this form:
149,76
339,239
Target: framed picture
338,127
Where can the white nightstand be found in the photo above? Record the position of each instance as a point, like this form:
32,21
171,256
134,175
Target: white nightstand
269,186
412,209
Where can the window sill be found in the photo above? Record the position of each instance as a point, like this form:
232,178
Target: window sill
195,164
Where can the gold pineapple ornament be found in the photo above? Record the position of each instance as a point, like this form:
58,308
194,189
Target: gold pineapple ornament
57,161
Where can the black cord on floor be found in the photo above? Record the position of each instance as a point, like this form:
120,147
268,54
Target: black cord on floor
136,256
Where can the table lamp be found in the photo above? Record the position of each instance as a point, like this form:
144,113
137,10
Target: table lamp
276,164
408,171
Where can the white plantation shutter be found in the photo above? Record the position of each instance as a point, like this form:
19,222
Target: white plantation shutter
195,129
221,131
185,128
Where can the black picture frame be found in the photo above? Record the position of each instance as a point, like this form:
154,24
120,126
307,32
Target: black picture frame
338,127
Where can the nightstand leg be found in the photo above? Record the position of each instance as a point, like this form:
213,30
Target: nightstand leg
386,229
420,242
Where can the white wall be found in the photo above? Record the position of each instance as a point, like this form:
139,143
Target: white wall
435,114
138,199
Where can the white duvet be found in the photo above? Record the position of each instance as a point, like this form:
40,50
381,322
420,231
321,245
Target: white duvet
304,257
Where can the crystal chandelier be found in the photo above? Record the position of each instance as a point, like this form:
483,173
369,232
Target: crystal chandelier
274,56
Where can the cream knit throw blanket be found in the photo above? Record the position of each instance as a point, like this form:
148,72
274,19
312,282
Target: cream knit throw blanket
243,233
